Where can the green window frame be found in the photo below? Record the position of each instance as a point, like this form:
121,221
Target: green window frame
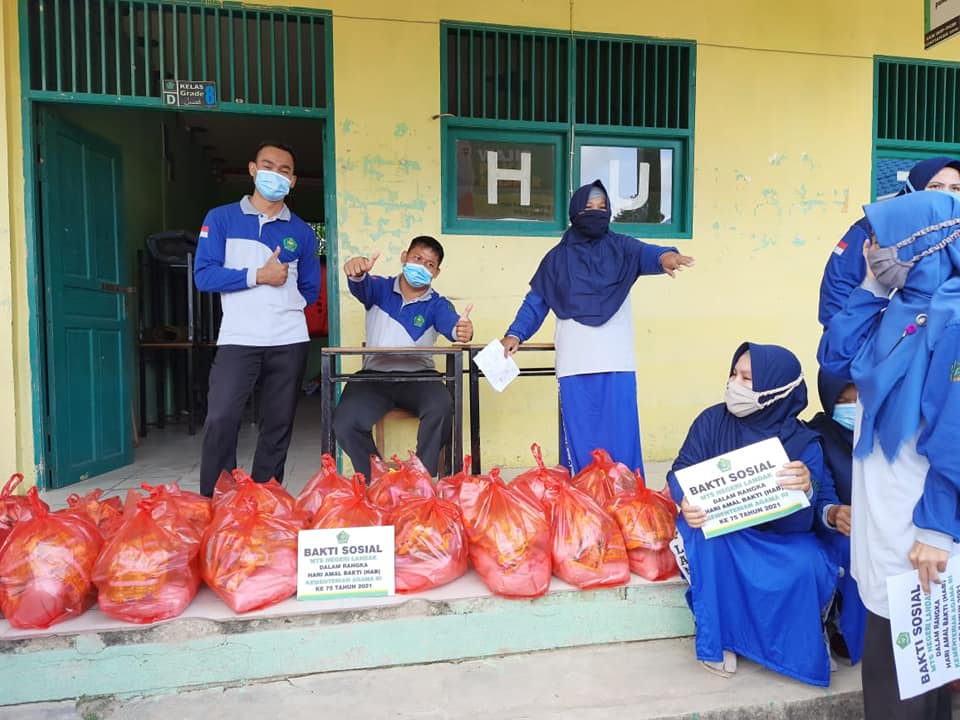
915,116
583,93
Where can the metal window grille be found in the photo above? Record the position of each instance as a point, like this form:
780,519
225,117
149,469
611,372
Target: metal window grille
127,48
917,101
632,83
498,74
507,75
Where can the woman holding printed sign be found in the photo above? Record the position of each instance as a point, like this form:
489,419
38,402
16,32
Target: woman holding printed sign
898,337
759,592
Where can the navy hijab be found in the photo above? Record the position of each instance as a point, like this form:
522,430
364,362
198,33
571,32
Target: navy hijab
837,440
717,431
890,369
586,277
922,173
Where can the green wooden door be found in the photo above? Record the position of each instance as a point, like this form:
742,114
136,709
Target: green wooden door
85,278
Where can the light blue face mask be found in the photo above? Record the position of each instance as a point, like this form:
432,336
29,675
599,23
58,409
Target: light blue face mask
845,414
417,275
272,186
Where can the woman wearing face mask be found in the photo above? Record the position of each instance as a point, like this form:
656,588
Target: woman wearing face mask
760,592
898,337
846,269
586,280
835,425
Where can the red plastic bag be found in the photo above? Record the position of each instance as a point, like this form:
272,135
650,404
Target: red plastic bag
271,496
533,483
431,544
45,571
326,480
249,557
588,547
448,488
388,485
193,506
13,508
150,569
648,521
603,479
351,509
106,514
509,537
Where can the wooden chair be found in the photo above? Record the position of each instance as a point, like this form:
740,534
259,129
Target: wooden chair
401,414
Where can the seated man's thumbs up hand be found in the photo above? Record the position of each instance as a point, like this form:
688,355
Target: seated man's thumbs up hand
357,267
463,330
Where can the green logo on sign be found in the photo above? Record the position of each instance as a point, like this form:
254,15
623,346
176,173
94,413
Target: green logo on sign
418,321
342,537
290,244
723,464
903,640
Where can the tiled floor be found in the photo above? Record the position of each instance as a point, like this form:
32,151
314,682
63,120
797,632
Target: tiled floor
173,455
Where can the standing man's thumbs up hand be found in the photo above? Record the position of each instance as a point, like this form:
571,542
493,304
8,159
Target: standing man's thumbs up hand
357,267
463,330
273,272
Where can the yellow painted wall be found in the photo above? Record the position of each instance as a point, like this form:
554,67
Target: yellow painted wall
16,418
782,165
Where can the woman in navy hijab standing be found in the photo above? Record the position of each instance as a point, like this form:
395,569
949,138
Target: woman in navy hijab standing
898,337
760,592
586,280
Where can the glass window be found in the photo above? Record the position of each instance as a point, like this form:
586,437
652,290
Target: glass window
505,180
639,180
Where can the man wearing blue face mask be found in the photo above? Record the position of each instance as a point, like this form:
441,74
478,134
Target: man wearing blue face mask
402,311
262,260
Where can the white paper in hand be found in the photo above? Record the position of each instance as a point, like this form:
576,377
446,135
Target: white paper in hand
497,369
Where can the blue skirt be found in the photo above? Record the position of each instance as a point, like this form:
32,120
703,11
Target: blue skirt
762,595
599,410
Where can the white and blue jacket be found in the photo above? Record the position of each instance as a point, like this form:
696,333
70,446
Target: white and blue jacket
395,322
235,241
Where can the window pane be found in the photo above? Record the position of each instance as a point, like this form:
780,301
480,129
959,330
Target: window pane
505,180
639,180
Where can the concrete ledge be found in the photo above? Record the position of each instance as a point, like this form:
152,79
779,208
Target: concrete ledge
459,621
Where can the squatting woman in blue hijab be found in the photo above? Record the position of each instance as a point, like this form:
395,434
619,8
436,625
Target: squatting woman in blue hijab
759,592
586,280
898,338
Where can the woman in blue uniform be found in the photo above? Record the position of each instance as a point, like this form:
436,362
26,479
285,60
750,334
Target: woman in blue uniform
760,592
586,280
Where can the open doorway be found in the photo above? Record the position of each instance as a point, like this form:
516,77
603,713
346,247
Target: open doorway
130,353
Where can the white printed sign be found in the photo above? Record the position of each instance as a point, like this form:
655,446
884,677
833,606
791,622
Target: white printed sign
739,489
345,562
924,630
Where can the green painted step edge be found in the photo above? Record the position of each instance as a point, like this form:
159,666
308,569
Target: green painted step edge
194,653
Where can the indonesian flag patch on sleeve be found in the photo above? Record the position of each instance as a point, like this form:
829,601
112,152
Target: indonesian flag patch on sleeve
838,250
205,228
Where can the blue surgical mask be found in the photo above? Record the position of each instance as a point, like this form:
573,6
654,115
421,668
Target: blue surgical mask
417,275
845,414
273,186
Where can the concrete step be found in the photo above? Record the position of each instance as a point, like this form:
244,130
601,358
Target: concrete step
209,645
657,679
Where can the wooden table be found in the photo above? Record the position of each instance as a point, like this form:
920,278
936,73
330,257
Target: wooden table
452,377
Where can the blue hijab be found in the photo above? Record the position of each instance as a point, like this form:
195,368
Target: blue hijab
717,431
891,367
837,440
922,173
588,275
